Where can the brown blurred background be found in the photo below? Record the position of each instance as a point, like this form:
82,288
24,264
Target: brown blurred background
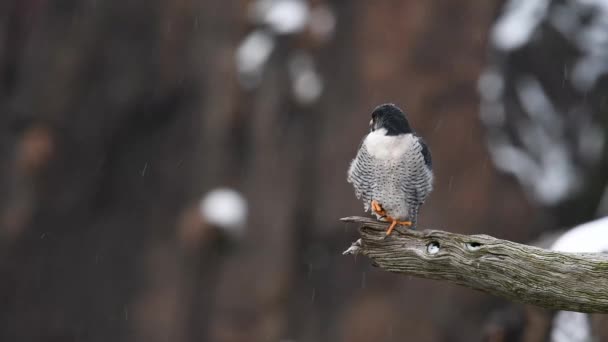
117,118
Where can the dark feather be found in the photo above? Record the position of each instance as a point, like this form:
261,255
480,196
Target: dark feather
426,153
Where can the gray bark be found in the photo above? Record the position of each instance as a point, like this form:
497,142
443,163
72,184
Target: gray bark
562,281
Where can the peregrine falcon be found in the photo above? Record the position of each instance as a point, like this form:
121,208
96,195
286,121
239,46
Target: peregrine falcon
392,172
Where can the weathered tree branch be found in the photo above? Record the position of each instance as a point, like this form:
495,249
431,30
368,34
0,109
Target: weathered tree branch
562,281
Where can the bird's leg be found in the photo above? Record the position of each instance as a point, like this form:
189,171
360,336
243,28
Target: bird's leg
377,208
395,223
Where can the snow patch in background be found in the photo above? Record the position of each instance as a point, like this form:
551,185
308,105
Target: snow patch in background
571,326
282,16
592,41
591,237
252,55
541,160
225,208
306,83
554,140
517,23
491,85
537,104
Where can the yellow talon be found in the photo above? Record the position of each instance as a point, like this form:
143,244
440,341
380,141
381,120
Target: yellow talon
377,208
395,223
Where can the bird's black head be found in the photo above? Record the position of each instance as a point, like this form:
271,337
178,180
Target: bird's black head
391,118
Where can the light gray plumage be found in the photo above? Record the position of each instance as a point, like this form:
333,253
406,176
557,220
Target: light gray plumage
393,166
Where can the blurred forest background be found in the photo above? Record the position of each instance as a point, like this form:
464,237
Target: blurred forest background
174,170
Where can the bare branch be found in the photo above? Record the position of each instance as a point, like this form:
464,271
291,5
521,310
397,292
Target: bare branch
561,281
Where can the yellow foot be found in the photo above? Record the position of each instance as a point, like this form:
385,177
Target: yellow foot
395,223
377,208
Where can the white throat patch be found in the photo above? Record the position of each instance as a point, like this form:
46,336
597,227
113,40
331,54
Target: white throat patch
383,146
